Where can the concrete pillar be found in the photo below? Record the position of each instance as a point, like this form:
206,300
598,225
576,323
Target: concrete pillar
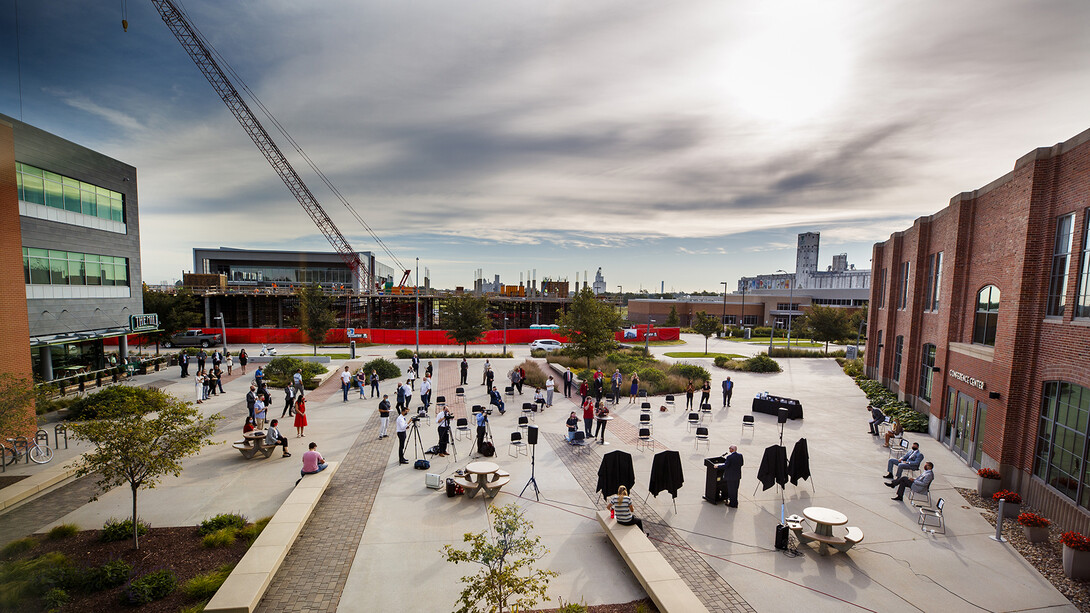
279,313
45,356
249,312
207,312
123,348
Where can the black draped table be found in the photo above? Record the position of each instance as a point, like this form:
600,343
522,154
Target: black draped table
772,405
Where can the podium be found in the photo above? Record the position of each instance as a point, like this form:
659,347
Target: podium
714,486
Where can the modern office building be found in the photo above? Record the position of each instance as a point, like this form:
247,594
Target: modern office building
266,268
79,236
980,316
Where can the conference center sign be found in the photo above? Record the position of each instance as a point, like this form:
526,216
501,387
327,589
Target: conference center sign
964,378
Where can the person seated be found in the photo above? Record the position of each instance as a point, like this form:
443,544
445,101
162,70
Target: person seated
539,399
919,484
895,430
313,462
877,417
249,427
621,505
910,460
273,437
573,425
496,399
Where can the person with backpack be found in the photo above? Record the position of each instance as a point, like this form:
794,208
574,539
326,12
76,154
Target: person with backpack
384,415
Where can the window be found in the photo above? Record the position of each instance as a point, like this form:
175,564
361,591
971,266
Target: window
1061,440
46,188
52,267
731,320
749,320
934,281
898,347
1061,252
1082,295
787,306
927,372
882,288
903,298
987,315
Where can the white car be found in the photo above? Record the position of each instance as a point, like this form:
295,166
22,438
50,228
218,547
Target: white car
547,344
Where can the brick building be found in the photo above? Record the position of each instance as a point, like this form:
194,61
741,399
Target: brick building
980,318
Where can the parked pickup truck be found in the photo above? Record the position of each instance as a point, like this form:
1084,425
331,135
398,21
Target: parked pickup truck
192,338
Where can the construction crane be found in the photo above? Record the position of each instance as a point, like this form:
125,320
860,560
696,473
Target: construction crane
199,52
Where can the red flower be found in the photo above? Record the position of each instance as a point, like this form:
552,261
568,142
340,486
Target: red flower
1075,540
1011,497
1033,520
988,473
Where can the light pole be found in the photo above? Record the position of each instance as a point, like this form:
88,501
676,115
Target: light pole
724,283
417,292
790,308
505,333
223,327
647,336
743,316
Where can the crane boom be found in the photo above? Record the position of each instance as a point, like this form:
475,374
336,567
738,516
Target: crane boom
201,56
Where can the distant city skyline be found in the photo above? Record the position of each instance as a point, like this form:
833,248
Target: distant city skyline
681,143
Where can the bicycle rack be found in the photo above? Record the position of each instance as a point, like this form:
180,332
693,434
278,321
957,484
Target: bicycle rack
21,441
41,438
57,432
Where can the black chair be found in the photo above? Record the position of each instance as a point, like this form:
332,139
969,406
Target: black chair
524,422
518,446
747,421
441,402
669,403
702,436
579,439
509,391
461,426
644,440
645,420
694,419
645,407
460,394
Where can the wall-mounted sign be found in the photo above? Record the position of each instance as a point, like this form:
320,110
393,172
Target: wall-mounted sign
144,322
352,333
964,378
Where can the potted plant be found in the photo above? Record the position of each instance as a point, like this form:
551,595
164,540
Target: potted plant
987,482
1034,526
1014,502
1076,555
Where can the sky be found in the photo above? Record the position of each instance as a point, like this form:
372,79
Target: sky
674,145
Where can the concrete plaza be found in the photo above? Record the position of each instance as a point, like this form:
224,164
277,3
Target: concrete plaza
378,549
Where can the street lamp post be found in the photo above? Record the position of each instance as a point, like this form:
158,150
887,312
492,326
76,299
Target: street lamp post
505,333
223,328
417,292
647,336
743,315
724,283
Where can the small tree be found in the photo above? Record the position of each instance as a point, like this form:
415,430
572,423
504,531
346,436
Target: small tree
465,318
177,312
16,406
508,556
589,325
315,315
672,320
136,446
706,325
826,324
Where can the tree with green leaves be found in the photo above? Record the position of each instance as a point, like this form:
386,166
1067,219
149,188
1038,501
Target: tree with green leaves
465,318
825,324
17,396
706,325
508,556
177,311
141,442
589,325
672,320
314,316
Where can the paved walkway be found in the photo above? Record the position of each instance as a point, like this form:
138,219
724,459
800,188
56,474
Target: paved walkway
25,519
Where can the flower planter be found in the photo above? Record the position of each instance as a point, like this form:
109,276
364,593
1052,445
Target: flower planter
1076,564
987,487
1036,534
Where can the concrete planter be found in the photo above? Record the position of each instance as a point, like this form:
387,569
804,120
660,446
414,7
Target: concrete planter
1076,564
986,487
1036,534
1011,509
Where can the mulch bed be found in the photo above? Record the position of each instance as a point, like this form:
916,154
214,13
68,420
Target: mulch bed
178,549
628,607
1047,558
7,480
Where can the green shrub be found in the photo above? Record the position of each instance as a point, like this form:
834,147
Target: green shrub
204,586
535,377
224,537
121,529
404,354
62,531
878,396
117,400
23,579
15,548
218,522
538,353
852,368
55,598
425,355
385,369
279,371
794,352
109,575
650,378
698,374
571,607
151,587
759,363
251,532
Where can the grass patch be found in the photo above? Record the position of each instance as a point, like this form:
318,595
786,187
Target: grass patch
699,354
204,586
15,548
756,340
224,537
221,521
62,531
405,354
759,363
250,532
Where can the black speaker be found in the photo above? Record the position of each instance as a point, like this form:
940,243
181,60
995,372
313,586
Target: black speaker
531,435
782,536
781,416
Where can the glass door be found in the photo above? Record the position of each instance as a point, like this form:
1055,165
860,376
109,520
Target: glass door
978,437
963,431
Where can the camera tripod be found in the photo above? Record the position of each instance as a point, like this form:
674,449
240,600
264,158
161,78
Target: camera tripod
413,434
533,475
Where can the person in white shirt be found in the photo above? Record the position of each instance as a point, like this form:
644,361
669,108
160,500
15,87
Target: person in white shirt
346,382
412,378
402,426
550,385
407,389
442,420
425,392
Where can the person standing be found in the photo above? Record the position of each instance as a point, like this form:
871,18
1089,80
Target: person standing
416,363
568,378
599,389
412,378
402,425
515,380
728,389
522,378
259,411
201,357
289,401
425,392
635,389
300,415
484,377
346,382
183,362
216,358
408,389
198,387
243,359
550,386
732,475
705,393
489,377
600,421
615,386
689,391
259,377
361,382
374,382
465,372
383,416
584,391
230,363
442,421
429,371
219,378
588,416
482,427
251,398
400,397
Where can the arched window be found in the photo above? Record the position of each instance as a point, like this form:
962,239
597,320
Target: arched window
987,315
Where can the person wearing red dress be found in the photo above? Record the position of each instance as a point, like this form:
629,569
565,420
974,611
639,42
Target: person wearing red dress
300,415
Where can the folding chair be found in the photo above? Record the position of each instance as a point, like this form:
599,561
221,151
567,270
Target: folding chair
644,440
694,420
702,436
645,420
518,446
528,411
645,407
478,408
914,495
936,513
461,427
705,409
900,448
747,421
509,391
460,394
642,393
524,422
669,402
441,402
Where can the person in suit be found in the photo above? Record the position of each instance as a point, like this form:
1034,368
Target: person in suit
183,361
919,484
732,475
568,378
910,460
251,398
728,389
877,417
465,372
494,398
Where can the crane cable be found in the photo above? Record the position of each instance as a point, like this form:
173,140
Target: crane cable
295,145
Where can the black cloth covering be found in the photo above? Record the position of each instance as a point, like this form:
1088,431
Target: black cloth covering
666,473
799,466
773,468
615,471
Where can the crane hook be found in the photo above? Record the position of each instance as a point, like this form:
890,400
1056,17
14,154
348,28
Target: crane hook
124,15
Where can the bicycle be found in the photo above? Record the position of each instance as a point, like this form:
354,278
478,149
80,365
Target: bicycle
39,454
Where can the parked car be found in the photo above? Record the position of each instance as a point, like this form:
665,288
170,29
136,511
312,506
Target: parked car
547,344
193,338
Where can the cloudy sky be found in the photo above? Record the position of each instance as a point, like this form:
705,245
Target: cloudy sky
682,142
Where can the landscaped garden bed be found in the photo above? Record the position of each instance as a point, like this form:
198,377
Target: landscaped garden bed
655,376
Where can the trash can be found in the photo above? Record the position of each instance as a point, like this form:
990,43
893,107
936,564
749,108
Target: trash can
749,333
351,350
713,482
